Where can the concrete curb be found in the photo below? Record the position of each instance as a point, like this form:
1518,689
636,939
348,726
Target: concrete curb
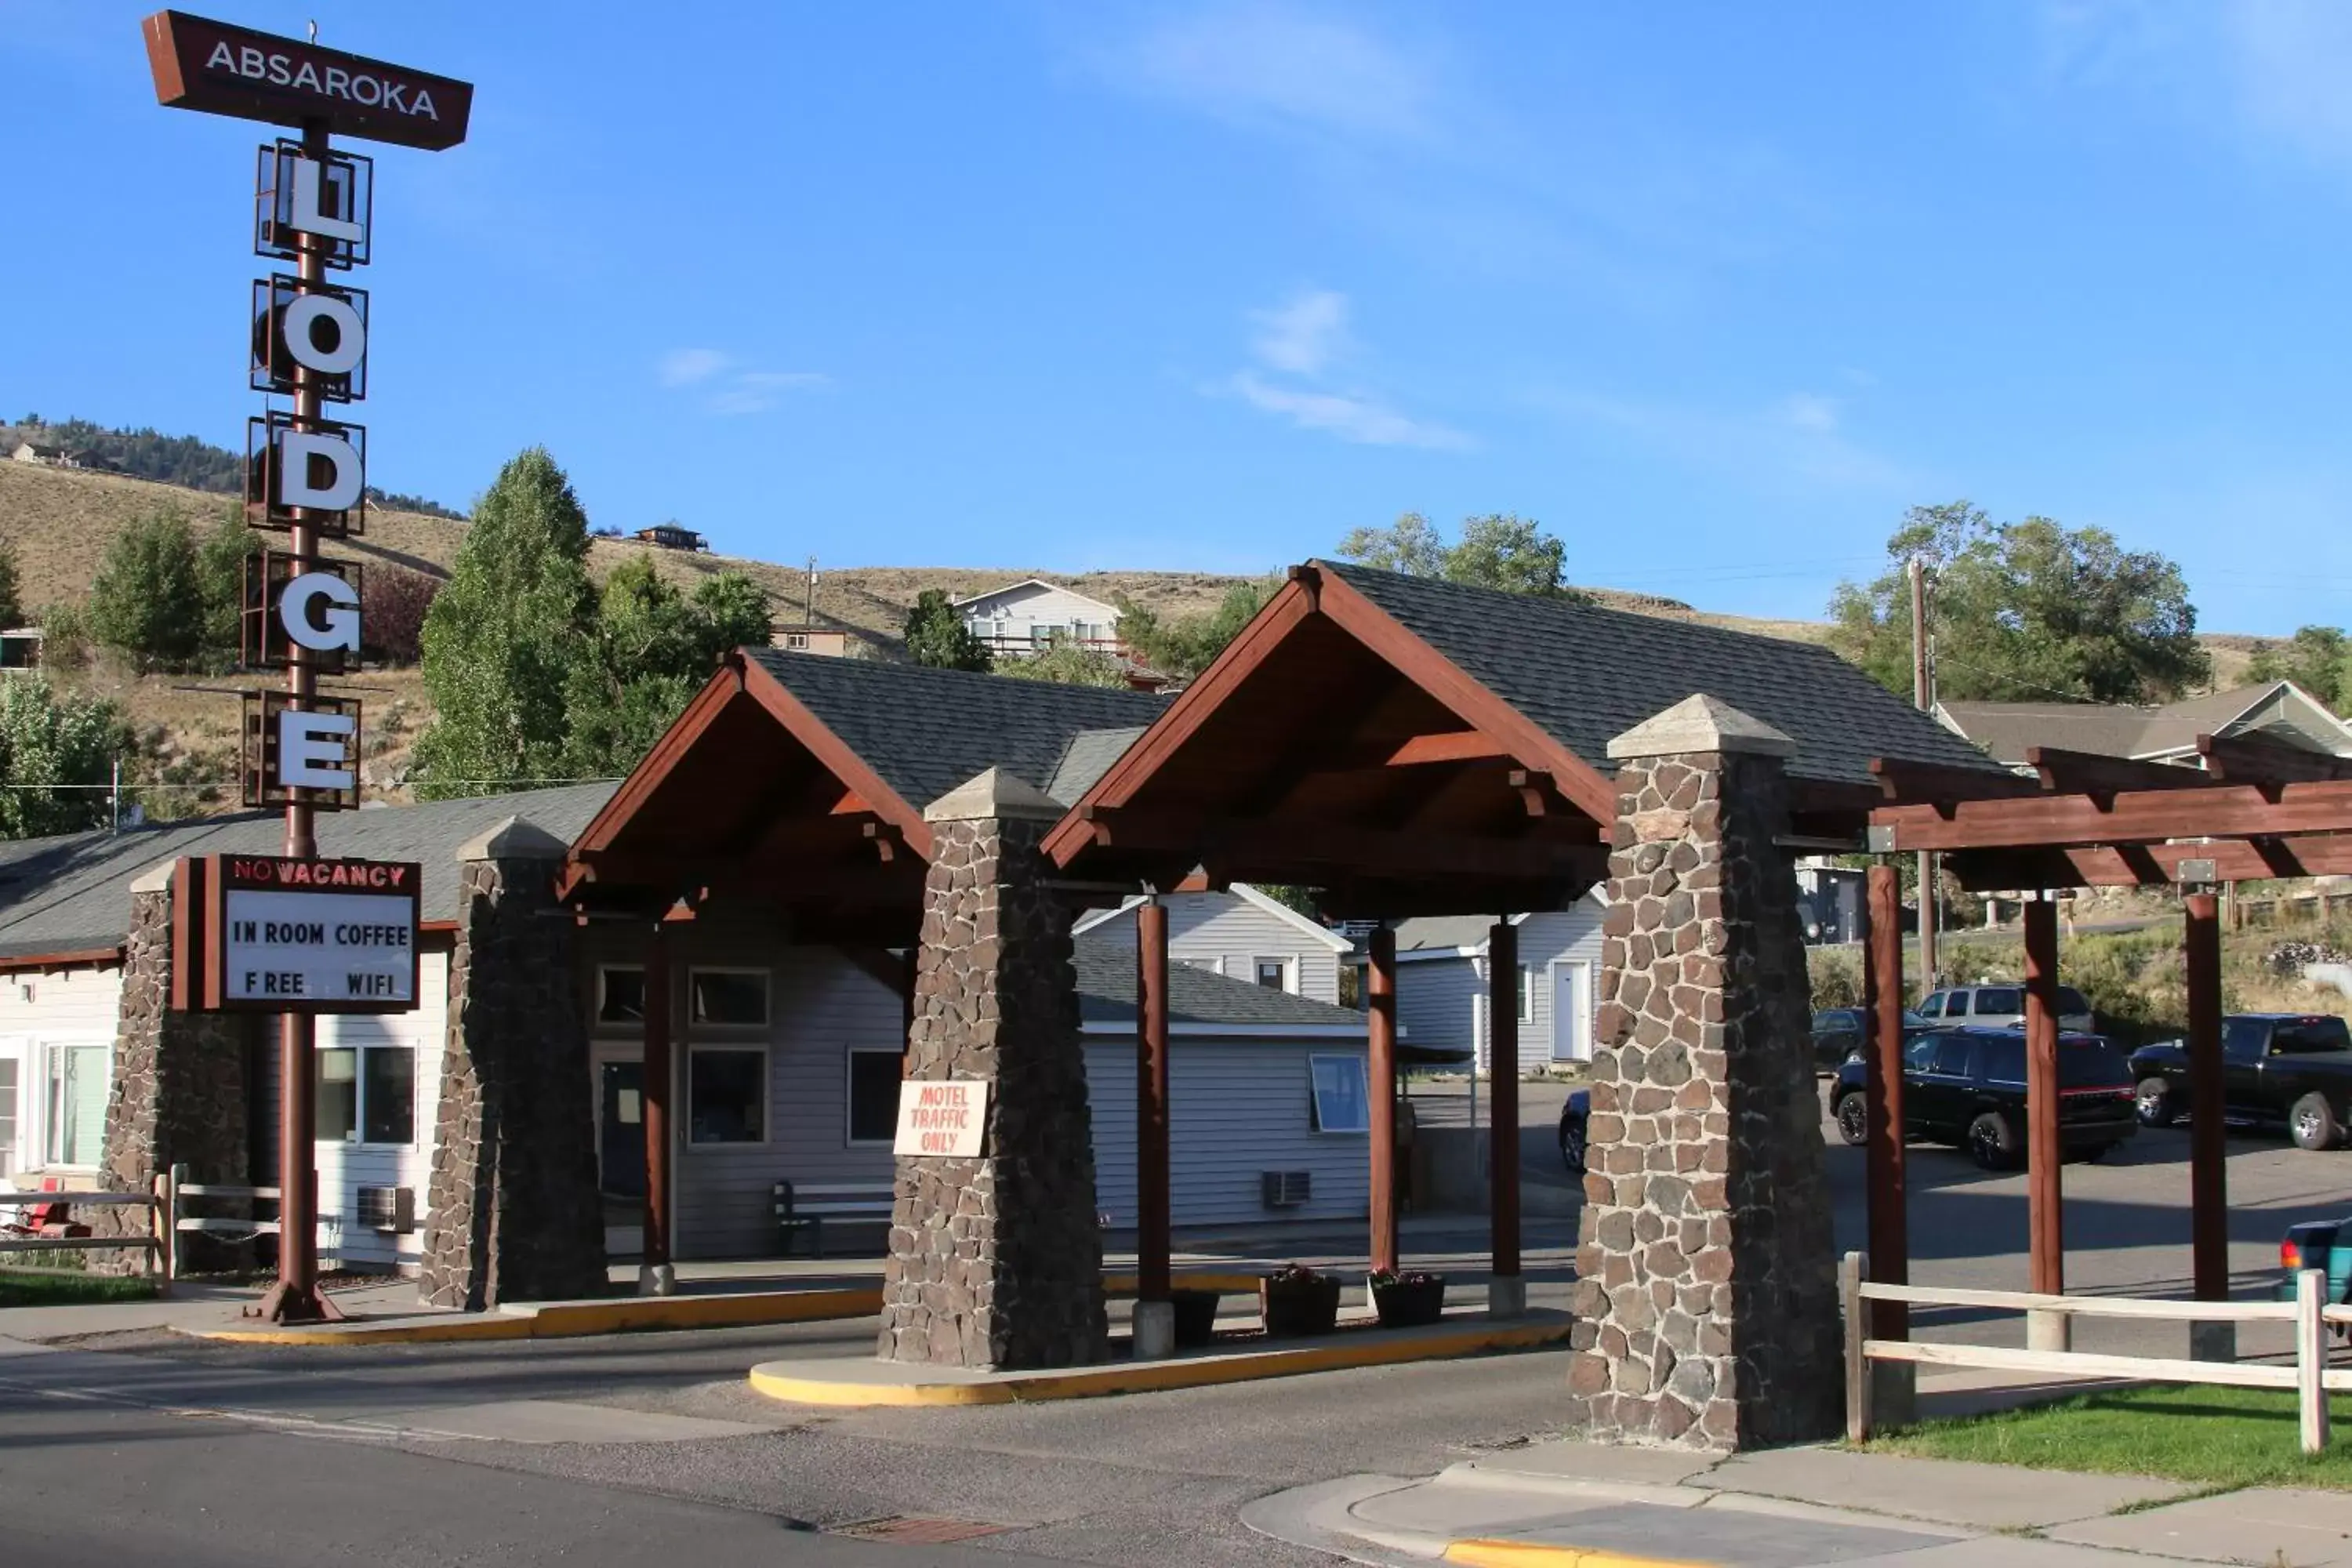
1481,1553
799,1382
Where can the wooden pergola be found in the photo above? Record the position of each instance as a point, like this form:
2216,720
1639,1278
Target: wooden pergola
2256,809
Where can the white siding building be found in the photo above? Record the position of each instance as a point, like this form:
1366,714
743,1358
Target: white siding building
1025,618
1242,935
1442,981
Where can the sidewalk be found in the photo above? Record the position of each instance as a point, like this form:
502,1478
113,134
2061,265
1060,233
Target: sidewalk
1578,1505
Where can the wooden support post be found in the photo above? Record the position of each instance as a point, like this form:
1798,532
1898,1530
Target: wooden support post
1151,1102
1380,1004
655,1274
2209,1148
1506,1294
2311,1356
1886,1177
2043,1152
1853,1270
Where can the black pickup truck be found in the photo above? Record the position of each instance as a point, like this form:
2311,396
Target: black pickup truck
2290,1067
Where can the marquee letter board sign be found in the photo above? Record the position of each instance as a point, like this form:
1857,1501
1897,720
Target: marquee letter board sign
278,934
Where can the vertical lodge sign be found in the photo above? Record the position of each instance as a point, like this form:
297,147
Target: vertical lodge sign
295,934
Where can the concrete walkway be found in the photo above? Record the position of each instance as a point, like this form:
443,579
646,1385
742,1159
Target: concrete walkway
1569,1503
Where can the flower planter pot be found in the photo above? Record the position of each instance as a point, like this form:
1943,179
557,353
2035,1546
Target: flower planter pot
1402,1306
1196,1317
1294,1307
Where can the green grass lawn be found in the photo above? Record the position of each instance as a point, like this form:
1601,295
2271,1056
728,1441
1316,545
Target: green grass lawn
36,1288
2217,1437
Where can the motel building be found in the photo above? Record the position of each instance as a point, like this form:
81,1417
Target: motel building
786,991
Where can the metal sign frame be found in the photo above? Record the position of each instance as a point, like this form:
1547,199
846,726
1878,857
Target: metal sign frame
224,874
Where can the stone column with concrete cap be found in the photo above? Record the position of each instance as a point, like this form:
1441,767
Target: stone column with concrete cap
996,1260
513,1212
178,1094
1706,1297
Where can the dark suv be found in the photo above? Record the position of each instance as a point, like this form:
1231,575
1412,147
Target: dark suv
2290,1067
1967,1087
1839,1032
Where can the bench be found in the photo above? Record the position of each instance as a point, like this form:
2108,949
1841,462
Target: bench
804,1206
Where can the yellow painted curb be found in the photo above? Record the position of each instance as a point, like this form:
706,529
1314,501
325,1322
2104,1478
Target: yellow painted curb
1198,1372
1535,1554
490,1326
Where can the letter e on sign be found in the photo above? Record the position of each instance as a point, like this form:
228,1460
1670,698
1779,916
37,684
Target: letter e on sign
946,1118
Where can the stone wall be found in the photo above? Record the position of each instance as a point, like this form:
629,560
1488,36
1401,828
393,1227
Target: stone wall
178,1095
1706,1301
996,1261
512,1209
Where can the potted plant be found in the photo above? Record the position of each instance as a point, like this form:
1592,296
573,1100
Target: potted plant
1296,1300
1196,1317
1410,1299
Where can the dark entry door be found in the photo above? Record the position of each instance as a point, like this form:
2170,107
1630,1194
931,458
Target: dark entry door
621,1129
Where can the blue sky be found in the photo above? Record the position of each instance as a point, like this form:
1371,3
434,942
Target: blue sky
1713,292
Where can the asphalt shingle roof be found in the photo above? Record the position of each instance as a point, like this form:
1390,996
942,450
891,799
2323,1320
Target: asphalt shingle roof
926,731
1587,675
2115,730
72,894
1106,966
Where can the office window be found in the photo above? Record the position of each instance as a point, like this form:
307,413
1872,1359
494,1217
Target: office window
1526,993
388,1095
337,1072
1342,1095
729,998
1213,965
1278,974
620,995
77,1104
873,1078
727,1095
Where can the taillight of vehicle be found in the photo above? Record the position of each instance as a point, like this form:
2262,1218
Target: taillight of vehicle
2291,1255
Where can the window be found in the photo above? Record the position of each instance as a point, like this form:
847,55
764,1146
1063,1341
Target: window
2004,1059
2312,1036
1278,974
874,1078
2071,1002
1919,1055
1526,994
729,998
1341,1097
1951,1057
77,1105
620,995
366,1094
2244,1039
7,1115
725,1095
796,640
1997,1000
1212,966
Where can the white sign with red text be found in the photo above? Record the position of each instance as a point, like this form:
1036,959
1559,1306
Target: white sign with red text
942,1116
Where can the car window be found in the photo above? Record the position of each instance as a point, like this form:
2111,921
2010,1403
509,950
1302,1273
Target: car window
2311,1038
2004,1060
2092,1063
1837,1021
1952,1055
1933,1008
2073,1001
1999,1000
2243,1038
1912,1020
1919,1055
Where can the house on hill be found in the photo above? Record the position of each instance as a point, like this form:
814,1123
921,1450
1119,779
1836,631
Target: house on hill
58,456
671,536
1027,617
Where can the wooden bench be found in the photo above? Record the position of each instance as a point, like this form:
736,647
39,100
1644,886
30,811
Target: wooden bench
804,1206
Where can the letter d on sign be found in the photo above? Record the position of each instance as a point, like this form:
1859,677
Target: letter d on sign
313,750
299,452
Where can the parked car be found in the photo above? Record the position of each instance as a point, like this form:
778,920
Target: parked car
1839,1032
2002,1006
1967,1087
2294,1069
1573,1115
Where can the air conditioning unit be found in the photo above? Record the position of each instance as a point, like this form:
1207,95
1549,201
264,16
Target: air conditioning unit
1285,1189
392,1210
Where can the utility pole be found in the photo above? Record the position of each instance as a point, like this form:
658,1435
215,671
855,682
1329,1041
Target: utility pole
1923,695
808,615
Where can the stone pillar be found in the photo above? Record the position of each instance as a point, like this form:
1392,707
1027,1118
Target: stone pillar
996,1261
178,1092
512,1209
1706,1294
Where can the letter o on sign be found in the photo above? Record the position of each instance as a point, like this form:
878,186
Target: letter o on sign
325,334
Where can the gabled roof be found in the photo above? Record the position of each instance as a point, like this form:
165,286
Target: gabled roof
982,598
72,894
1322,935
1196,998
2278,710
1586,675
925,731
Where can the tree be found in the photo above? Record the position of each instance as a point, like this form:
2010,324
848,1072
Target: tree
652,648
503,635
937,637
2022,611
148,598
394,604
221,560
2317,659
1183,647
55,755
12,603
1068,661
1511,553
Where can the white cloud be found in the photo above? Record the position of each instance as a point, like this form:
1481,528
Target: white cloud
727,390
1305,335
1805,411
1361,420
1282,64
1297,346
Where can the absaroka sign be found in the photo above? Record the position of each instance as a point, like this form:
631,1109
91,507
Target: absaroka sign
287,934
942,1116
220,68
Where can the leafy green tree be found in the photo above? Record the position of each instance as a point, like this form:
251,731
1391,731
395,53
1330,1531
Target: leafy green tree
734,612
1183,647
56,751
1068,661
652,649
504,633
2022,611
148,598
221,557
1511,553
2317,659
12,601
936,635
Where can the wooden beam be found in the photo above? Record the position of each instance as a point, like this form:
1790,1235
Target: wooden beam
2089,773
2151,864
1242,845
1446,746
2145,816
1937,783
2251,759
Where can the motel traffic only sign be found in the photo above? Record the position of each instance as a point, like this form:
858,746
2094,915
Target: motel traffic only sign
942,1116
287,934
